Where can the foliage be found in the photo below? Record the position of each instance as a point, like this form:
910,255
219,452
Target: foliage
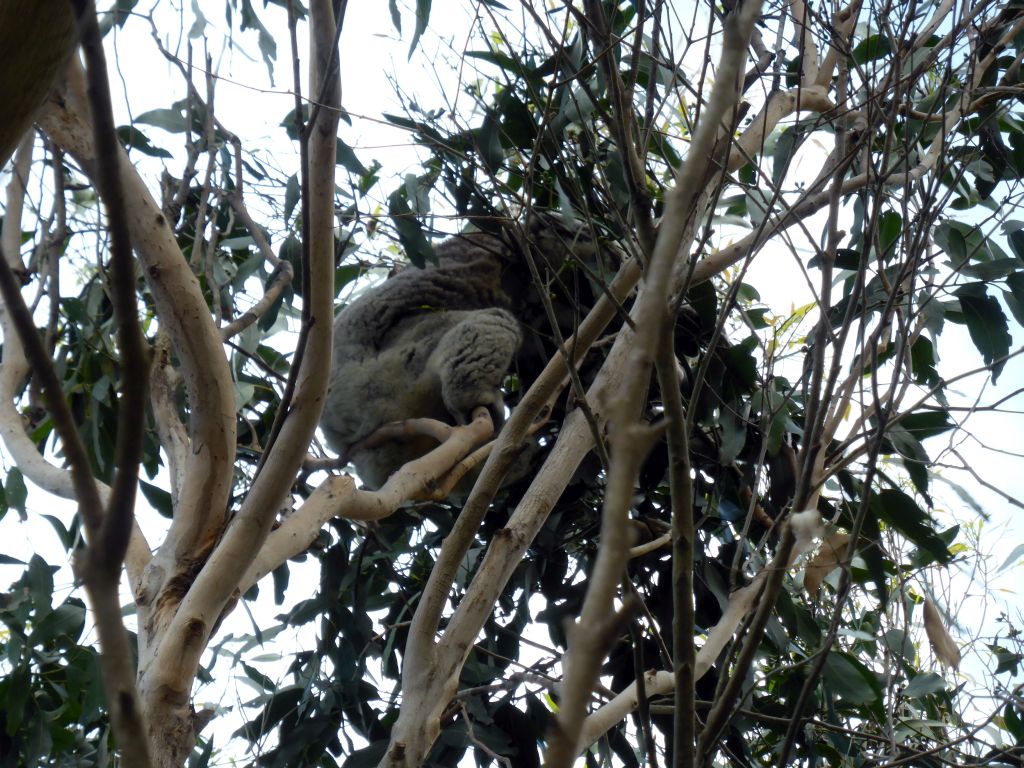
892,193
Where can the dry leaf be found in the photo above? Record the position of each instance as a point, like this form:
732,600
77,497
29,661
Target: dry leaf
827,560
943,646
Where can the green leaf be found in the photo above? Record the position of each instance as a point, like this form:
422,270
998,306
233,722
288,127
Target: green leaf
67,621
850,679
502,60
987,326
292,194
348,160
1013,723
422,18
785,148
901,512
367,757
1015,236
923,684
925,424
890,227
171,120
915,458
1015,296
1012,558
199,25
131,137
950,237
923,363
158,498
15,491
871,48
396,17
410,232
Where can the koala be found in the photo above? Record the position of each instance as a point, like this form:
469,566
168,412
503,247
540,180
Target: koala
434,342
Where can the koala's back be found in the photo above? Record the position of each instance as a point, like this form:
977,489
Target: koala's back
398,355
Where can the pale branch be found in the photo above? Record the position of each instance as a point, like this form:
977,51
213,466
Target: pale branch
843,23
15,201
282,280
605,717
548,382
178,655
591,638
298,531
101,584
171,432
766,597
185,317
740,604
657,683
20,319
628,436
651,546
778,106
804,42
430,677
284,270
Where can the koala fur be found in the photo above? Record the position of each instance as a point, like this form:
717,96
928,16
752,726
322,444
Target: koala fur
434,342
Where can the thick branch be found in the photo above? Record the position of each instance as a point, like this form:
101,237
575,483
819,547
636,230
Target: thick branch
184,315
178,655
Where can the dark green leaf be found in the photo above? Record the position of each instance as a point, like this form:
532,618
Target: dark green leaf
915,458
171,120
987,325
67,621
871,48
1015,296
901,512
367,757
158,498
925,424
348,160
292,194
15,491
422,19
259,678
1015,236
1013,723
396,17
410,232
890,227
949,236
785,148
922,684
850,679
922,359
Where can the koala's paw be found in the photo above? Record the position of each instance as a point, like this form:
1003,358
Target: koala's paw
474,357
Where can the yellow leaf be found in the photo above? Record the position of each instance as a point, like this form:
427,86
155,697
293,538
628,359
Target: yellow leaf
943,646
822,564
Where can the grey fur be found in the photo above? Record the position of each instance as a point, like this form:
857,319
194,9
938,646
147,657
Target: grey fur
433,342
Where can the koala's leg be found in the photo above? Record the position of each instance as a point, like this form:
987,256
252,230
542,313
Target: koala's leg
471,360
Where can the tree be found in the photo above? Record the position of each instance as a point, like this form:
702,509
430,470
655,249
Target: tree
732,526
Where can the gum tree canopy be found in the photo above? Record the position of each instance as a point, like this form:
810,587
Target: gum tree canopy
761,419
